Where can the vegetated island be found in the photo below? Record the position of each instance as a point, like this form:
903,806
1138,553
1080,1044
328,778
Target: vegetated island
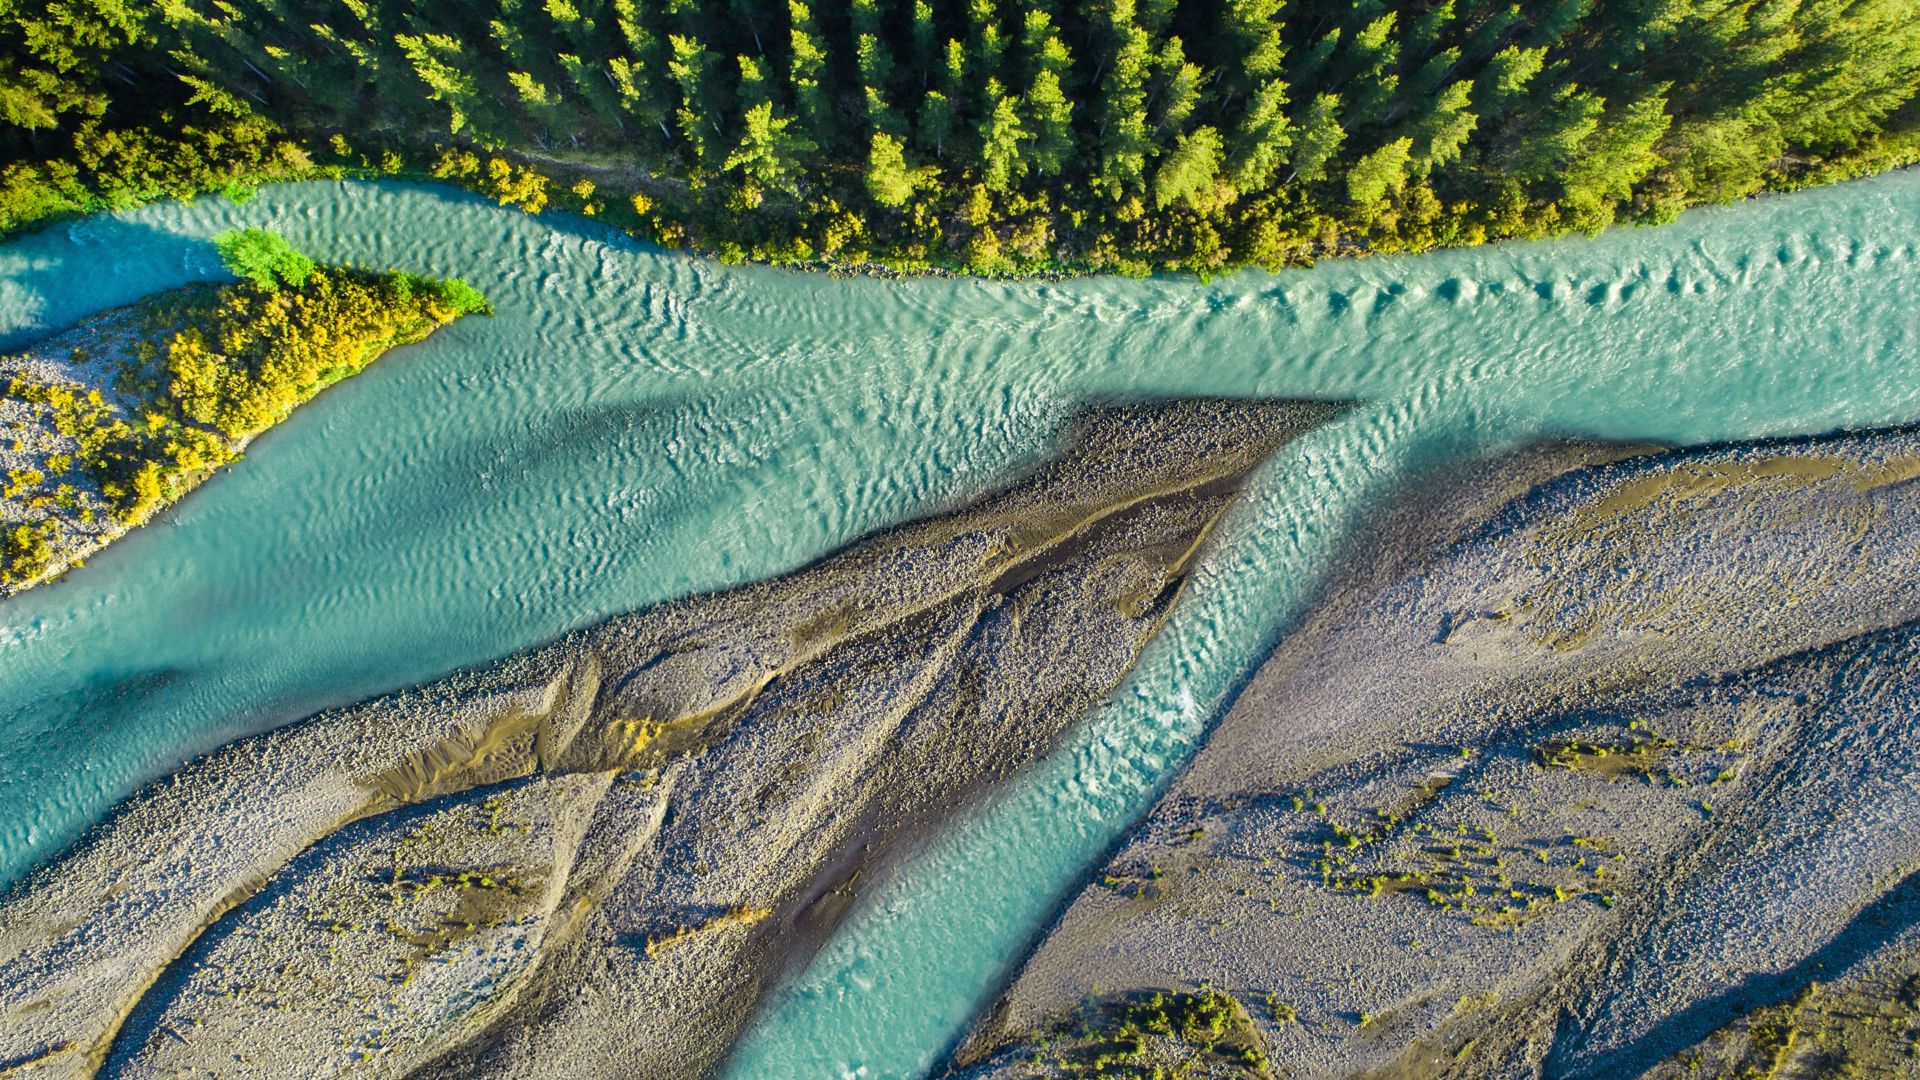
105,424
989,136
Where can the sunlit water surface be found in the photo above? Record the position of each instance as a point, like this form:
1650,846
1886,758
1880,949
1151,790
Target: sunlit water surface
635,425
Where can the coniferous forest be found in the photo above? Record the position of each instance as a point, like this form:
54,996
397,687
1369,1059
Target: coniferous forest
991,135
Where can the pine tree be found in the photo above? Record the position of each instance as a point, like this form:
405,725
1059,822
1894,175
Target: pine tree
1378,172
875,62
890,181
938,123
1121,103
1261,140
692,69
1424,35
1253,44
1049,115
754,88
1553,133
1620,155
1318,136
637,72
1503,83
1187,172
926,41
770,152
1178,86
1854,66
808,72
590,82
438,60
1444,130
986,46
1001,137
1365,70
935,123
1305,73
1126,134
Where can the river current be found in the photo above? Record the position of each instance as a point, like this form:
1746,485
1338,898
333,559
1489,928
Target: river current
635,425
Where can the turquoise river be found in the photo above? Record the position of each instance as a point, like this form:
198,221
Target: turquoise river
635,425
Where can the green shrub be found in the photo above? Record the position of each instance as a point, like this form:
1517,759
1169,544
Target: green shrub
264,258
463,299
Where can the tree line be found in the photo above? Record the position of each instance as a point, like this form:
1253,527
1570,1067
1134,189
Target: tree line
994,135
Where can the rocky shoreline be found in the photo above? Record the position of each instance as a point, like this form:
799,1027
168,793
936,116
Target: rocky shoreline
86,358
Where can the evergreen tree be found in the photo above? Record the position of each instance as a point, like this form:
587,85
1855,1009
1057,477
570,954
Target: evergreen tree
938,126
1553,133
1443,131
937,121
1365,69
1048,114
438,60
633,76
1001,137
1253,44
808,73
1319,136
1425,32
875,63
1620,155
890,181
1178,86
692,69
1379,172
1503,83
1187,172
986,45
1122,103
1260,142
769,153
926,41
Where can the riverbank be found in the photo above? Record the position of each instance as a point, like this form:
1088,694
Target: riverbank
105,425
623,198
1592,762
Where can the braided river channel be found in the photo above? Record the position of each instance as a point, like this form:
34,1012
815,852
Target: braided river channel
635,425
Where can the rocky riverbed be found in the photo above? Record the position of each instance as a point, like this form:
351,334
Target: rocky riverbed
593,858
1594,762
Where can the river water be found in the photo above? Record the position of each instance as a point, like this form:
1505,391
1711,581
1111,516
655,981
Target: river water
635,425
